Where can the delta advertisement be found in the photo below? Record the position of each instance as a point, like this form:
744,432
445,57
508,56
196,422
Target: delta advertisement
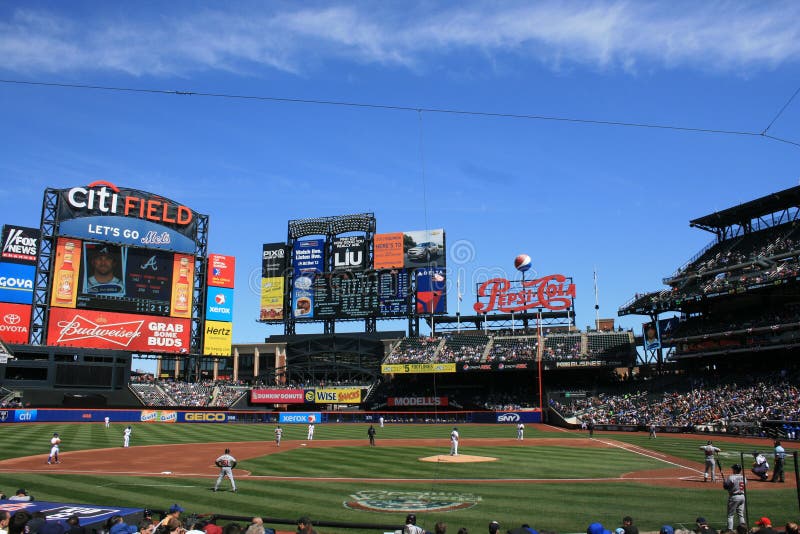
14,322
217,338
221,270
412,368
122,331
20,244
431,291
277,396
16,282
106,212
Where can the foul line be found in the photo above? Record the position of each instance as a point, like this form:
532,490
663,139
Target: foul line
646,455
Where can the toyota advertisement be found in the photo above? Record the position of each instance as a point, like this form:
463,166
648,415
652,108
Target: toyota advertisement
121,331
14,322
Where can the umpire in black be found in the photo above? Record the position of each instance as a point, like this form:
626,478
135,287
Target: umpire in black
780,462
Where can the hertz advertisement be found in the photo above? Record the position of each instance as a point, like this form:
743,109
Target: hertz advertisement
413,368
218,338
333,396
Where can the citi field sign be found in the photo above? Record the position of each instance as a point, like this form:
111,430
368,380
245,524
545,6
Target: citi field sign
103,211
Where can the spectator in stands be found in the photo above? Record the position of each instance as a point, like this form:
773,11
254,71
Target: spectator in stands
119,526
628,526
5,519
74,525
21,496
764,525
174,513
304,526
18,522
702,527
146,527
256,526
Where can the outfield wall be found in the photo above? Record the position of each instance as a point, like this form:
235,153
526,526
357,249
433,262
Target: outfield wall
55,415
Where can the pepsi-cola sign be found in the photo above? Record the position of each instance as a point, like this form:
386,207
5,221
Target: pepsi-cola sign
554,292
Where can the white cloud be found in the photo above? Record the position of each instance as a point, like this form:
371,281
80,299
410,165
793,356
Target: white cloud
601,35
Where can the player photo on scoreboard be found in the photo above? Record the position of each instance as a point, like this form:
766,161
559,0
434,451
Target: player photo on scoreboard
103,270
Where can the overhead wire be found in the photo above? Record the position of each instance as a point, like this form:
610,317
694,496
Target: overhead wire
417,109
786,105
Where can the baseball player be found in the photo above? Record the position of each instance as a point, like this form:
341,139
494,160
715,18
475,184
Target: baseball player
226,463
454,442
735,485
411,525
371,434
310,431
711,463
652,431
126,437
380,420
108,421
278,435
760,466
520,431
55,441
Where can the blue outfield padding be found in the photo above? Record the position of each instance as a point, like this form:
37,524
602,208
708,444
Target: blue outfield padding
89,515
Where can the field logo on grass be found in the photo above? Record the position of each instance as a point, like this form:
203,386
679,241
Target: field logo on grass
411,501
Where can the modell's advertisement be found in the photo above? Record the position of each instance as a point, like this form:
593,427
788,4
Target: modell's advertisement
20,244
14,322
122,331
182,286
66,273
101,211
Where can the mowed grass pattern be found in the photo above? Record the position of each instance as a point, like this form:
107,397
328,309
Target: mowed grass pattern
562,506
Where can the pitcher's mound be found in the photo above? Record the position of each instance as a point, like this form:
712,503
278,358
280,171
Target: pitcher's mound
460,459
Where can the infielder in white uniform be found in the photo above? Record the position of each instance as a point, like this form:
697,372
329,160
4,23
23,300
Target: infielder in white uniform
226,463
454,442
310,431
108,421
520,431
126,437
55,441
278,435
710,452
380,420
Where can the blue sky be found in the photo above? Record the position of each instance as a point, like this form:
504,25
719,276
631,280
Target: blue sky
573,196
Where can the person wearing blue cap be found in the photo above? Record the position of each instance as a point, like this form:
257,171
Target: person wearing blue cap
666,529
597,528
174,512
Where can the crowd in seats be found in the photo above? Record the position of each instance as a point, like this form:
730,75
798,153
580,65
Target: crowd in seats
150,394
562,347
513,349
190,394
607,343
463,348
414,349
770,397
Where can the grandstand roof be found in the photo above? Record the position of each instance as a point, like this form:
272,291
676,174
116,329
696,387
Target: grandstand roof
744,213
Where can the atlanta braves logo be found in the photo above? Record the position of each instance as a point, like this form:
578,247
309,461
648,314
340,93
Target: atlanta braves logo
150,264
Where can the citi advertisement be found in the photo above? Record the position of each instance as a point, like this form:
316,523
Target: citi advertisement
126,231
66,274
25,416
20,244
272,290
219,306
300,417
104,200
431,291
158,416
182,286
333,396
277,396
217,338
16,283
14,322
411,368
120,331
308,256
221,270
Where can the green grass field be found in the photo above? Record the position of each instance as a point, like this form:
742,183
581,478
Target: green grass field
561,506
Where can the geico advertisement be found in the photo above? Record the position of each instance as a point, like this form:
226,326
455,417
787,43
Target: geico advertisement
14,322
159,416
334,396
217,338
300,417
411,368
122,331
202,417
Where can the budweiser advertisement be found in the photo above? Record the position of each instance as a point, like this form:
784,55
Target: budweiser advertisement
120,331
14,322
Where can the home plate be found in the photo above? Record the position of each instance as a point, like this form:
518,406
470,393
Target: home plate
460,459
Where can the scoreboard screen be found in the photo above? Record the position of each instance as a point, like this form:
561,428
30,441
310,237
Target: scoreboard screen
360,294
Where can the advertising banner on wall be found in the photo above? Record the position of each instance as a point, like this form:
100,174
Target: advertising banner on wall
67,270
273,260
417,401
350,253
122,331
16,282
388,251
219,305
308,257
272,290
20,244
303,298
300,417
431,290
116,209
411,368
277,396
221,270
424,247
182,286
126,231
333,395
14,322
217,338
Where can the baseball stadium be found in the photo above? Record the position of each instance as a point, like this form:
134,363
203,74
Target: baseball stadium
507,417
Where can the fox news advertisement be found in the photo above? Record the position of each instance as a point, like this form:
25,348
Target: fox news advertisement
20,244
